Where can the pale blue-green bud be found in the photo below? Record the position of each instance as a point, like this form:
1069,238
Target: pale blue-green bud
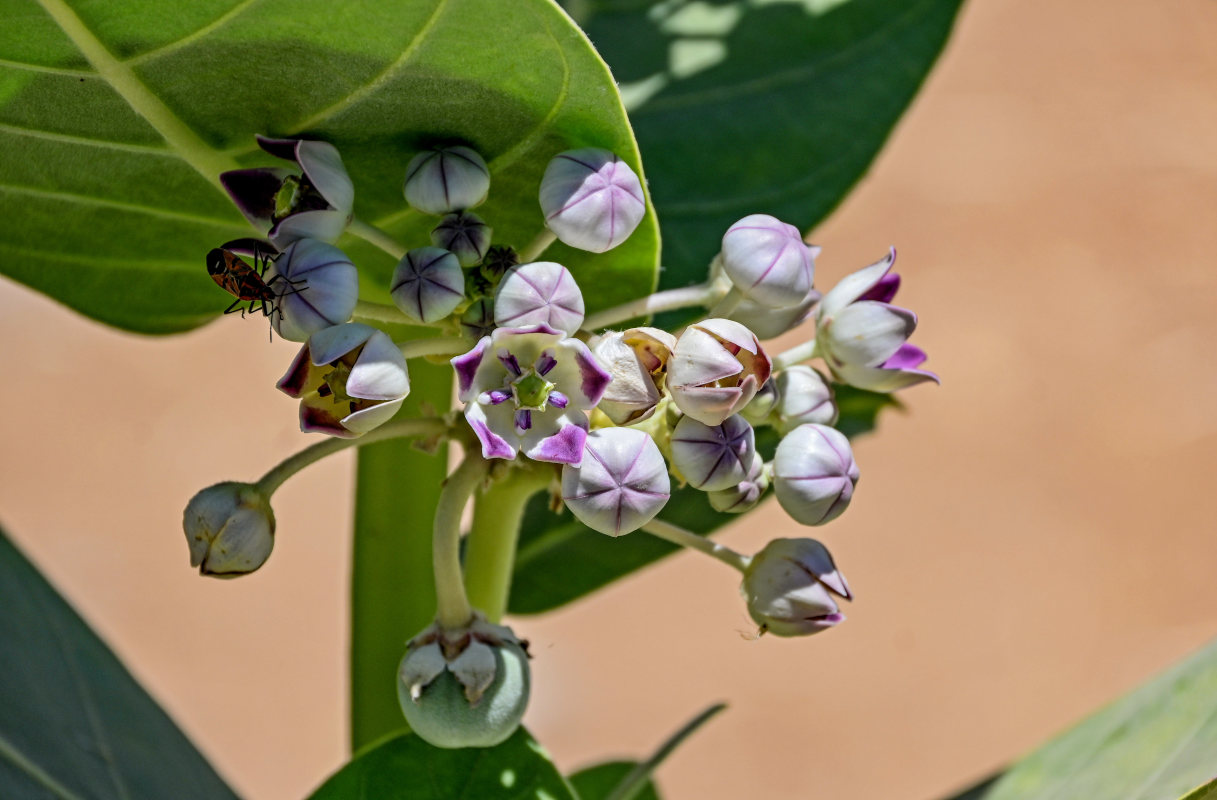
446,179
465,235
428,284
591,199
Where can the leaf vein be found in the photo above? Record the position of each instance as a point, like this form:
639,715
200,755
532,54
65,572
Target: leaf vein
18,759
120,205
63,138
22,65
193,36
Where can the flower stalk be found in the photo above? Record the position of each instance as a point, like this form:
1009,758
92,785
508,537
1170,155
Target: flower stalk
679,536
375,236
702,294
452,603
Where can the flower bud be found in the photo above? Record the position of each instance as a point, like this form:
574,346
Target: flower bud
744,495
465,235
769,323
789,587
464,688
803,396
325,289
716,368
478,320
428,284
767,260
540,293
638,361
446,179
761,406
621,484
230,529
713,457
814,474
591,199
349,379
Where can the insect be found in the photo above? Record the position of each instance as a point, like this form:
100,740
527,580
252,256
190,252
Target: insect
248,283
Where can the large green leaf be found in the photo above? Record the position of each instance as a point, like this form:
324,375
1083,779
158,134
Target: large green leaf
117,117
407,768
560,559
73,722
599,781
1156,743
767,106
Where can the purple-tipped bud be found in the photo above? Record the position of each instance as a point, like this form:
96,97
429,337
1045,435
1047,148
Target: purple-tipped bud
814,474
621,484
428,284
466,687
638,361
446,179
716,368
465,235
540,293
591,199
349,379
713,457
744,495
768,261
804,396
317,286
230,529
792,586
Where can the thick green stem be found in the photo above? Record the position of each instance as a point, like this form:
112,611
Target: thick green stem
729,302
435,346
373,235
679,536
537,246
452,608
392,587
490,551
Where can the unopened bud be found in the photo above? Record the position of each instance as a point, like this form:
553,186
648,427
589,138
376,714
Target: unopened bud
317,287
744,495
621,484
230,529
446,179
716,368
591,199
713,457
465,235
768,261
428,284
790,587
803,396
814,474
540,293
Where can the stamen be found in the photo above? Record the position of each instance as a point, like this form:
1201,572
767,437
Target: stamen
546,362
497,396
558,400
509,361
523,419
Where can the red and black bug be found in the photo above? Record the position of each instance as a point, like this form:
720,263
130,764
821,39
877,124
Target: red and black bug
248,283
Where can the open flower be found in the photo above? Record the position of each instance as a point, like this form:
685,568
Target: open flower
311,202
349,379
715,370
527,390
863,338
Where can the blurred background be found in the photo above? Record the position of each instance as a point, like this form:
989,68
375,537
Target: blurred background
1028,541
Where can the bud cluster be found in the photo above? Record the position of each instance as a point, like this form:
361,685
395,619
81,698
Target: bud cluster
615,417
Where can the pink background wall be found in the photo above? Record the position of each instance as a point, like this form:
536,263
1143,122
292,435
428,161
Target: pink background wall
1033,538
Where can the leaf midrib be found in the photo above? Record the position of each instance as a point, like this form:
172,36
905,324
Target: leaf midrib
10,753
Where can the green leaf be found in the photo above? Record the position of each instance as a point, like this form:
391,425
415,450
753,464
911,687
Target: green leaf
560,559
75,724
118,117
599,781
407,768
774,107
1153,744
1206,792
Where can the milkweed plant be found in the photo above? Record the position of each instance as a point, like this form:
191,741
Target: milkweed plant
454,208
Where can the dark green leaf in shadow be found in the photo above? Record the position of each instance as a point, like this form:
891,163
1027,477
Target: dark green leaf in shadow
977,790
599,781
407,768
73,722
119,117
1156,743
776,108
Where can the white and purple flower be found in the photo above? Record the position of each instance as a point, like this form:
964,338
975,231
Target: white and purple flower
527,390
863,338
314,202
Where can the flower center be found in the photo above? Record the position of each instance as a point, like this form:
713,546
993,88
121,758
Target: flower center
531,391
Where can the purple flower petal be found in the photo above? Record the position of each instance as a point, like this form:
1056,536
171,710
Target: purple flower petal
908,356
558,400
884,290
509,361
466,367
523,419
253,191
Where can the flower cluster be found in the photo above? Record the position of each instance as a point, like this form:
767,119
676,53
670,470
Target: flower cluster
616,417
